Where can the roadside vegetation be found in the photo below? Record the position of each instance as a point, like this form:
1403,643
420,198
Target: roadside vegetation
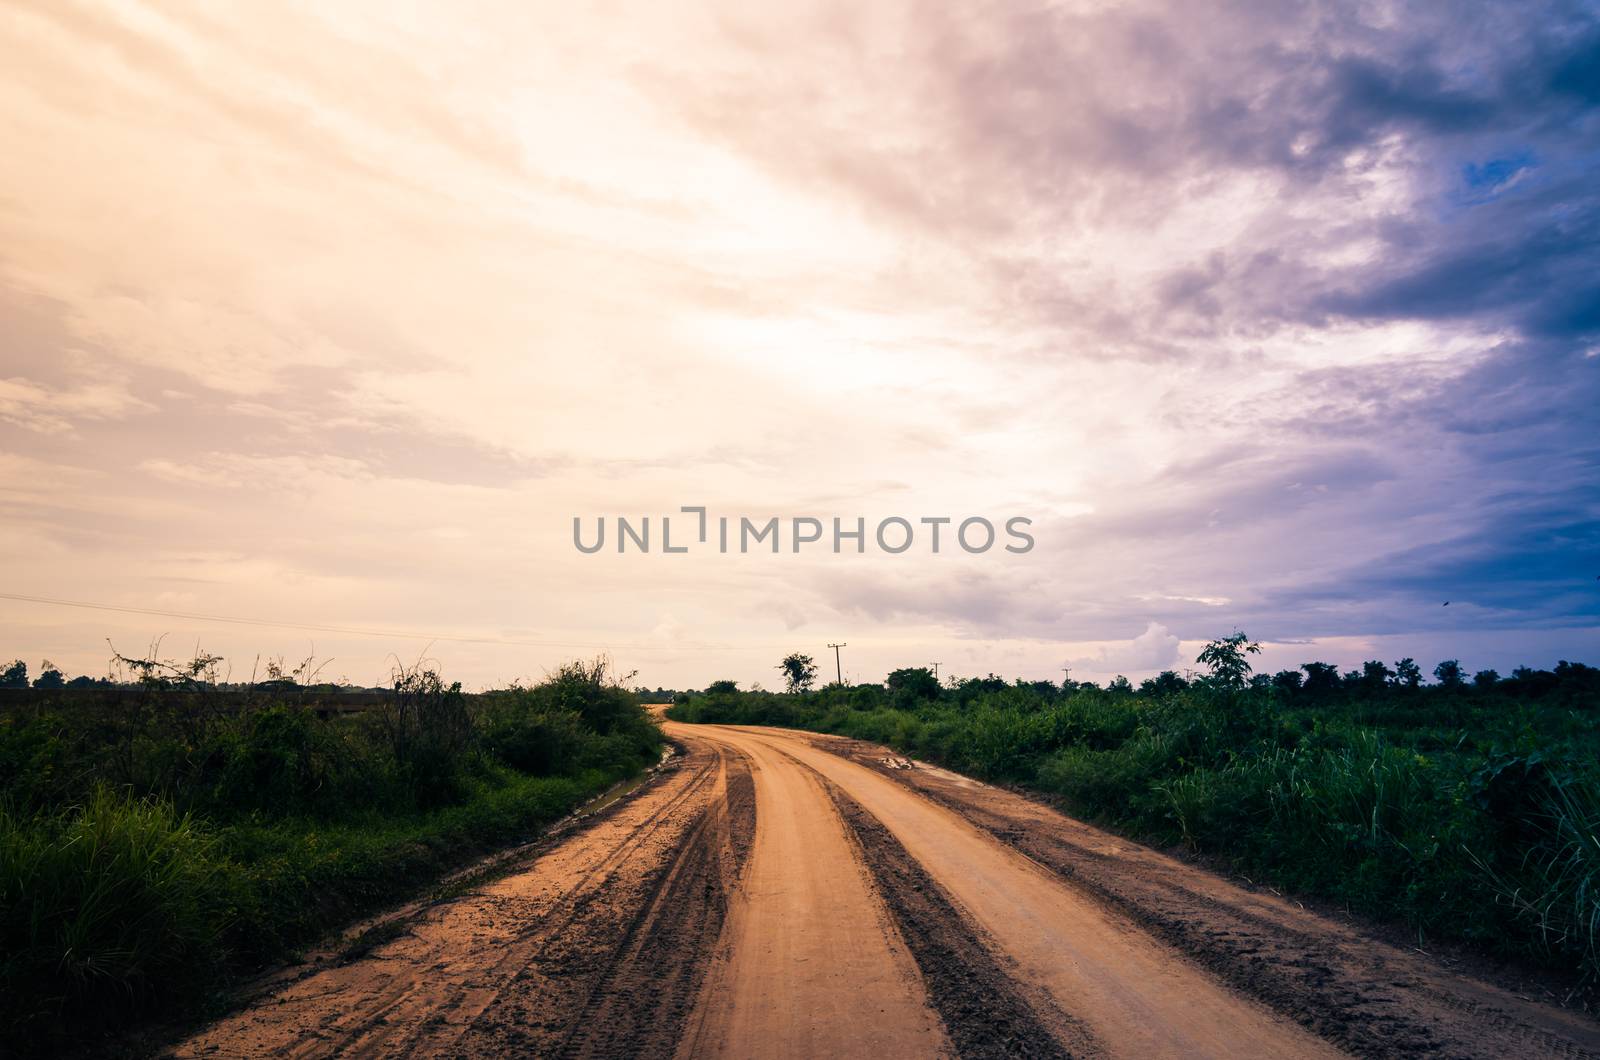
1468,808
158,839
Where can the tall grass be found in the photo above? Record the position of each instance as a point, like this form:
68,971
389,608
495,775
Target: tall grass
1555,889
105,909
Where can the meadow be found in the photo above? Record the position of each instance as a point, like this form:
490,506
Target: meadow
1464,809
158,843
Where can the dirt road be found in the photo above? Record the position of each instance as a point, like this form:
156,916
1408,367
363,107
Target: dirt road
781,894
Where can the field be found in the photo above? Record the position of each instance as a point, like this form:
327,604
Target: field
155,844
1465,811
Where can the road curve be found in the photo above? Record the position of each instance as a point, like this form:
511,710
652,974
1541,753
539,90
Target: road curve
811,964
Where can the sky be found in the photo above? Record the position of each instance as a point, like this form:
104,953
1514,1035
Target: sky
1272,316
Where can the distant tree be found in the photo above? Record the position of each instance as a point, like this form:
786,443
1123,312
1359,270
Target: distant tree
799,671
85,681
1120,685
1486,678
1527,681
1321,677
1261,682
1579,679
722,688
1407,674
1449,674
1288,680
1375,675
15,675
1228,659
1166,683
913,682
49,676
968,689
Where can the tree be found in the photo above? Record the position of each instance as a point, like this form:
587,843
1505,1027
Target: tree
1321,677
1288,680
799,671
722,688
1449,674
1120,685
15,675
1166,683
49,677
913,682
1375,675
1486,678
1407,674
1227,659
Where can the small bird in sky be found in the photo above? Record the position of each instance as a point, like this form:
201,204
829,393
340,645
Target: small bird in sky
1447,603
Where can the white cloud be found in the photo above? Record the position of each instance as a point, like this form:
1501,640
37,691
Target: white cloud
1154,649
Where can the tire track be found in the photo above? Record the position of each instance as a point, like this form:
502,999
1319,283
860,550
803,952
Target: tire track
640,1005
583,912
986,1011
469,974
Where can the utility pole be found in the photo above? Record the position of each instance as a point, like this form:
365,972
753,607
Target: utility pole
838,667
936,672
1066,675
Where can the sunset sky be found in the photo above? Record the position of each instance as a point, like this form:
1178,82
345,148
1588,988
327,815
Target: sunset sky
1278,316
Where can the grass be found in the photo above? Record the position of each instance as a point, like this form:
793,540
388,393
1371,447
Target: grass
1466,812
150,853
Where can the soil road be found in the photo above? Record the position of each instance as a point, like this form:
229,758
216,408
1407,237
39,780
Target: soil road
773,893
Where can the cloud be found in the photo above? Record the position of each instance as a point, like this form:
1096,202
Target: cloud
1271,315
54,411
1154,649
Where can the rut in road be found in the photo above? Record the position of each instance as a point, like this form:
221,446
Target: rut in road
1361,993
811,963
601,939
987,1012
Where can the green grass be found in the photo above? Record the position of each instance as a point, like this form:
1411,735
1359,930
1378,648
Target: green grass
150,853
1468,813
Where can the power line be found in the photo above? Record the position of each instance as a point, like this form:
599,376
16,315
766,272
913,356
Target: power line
315,628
